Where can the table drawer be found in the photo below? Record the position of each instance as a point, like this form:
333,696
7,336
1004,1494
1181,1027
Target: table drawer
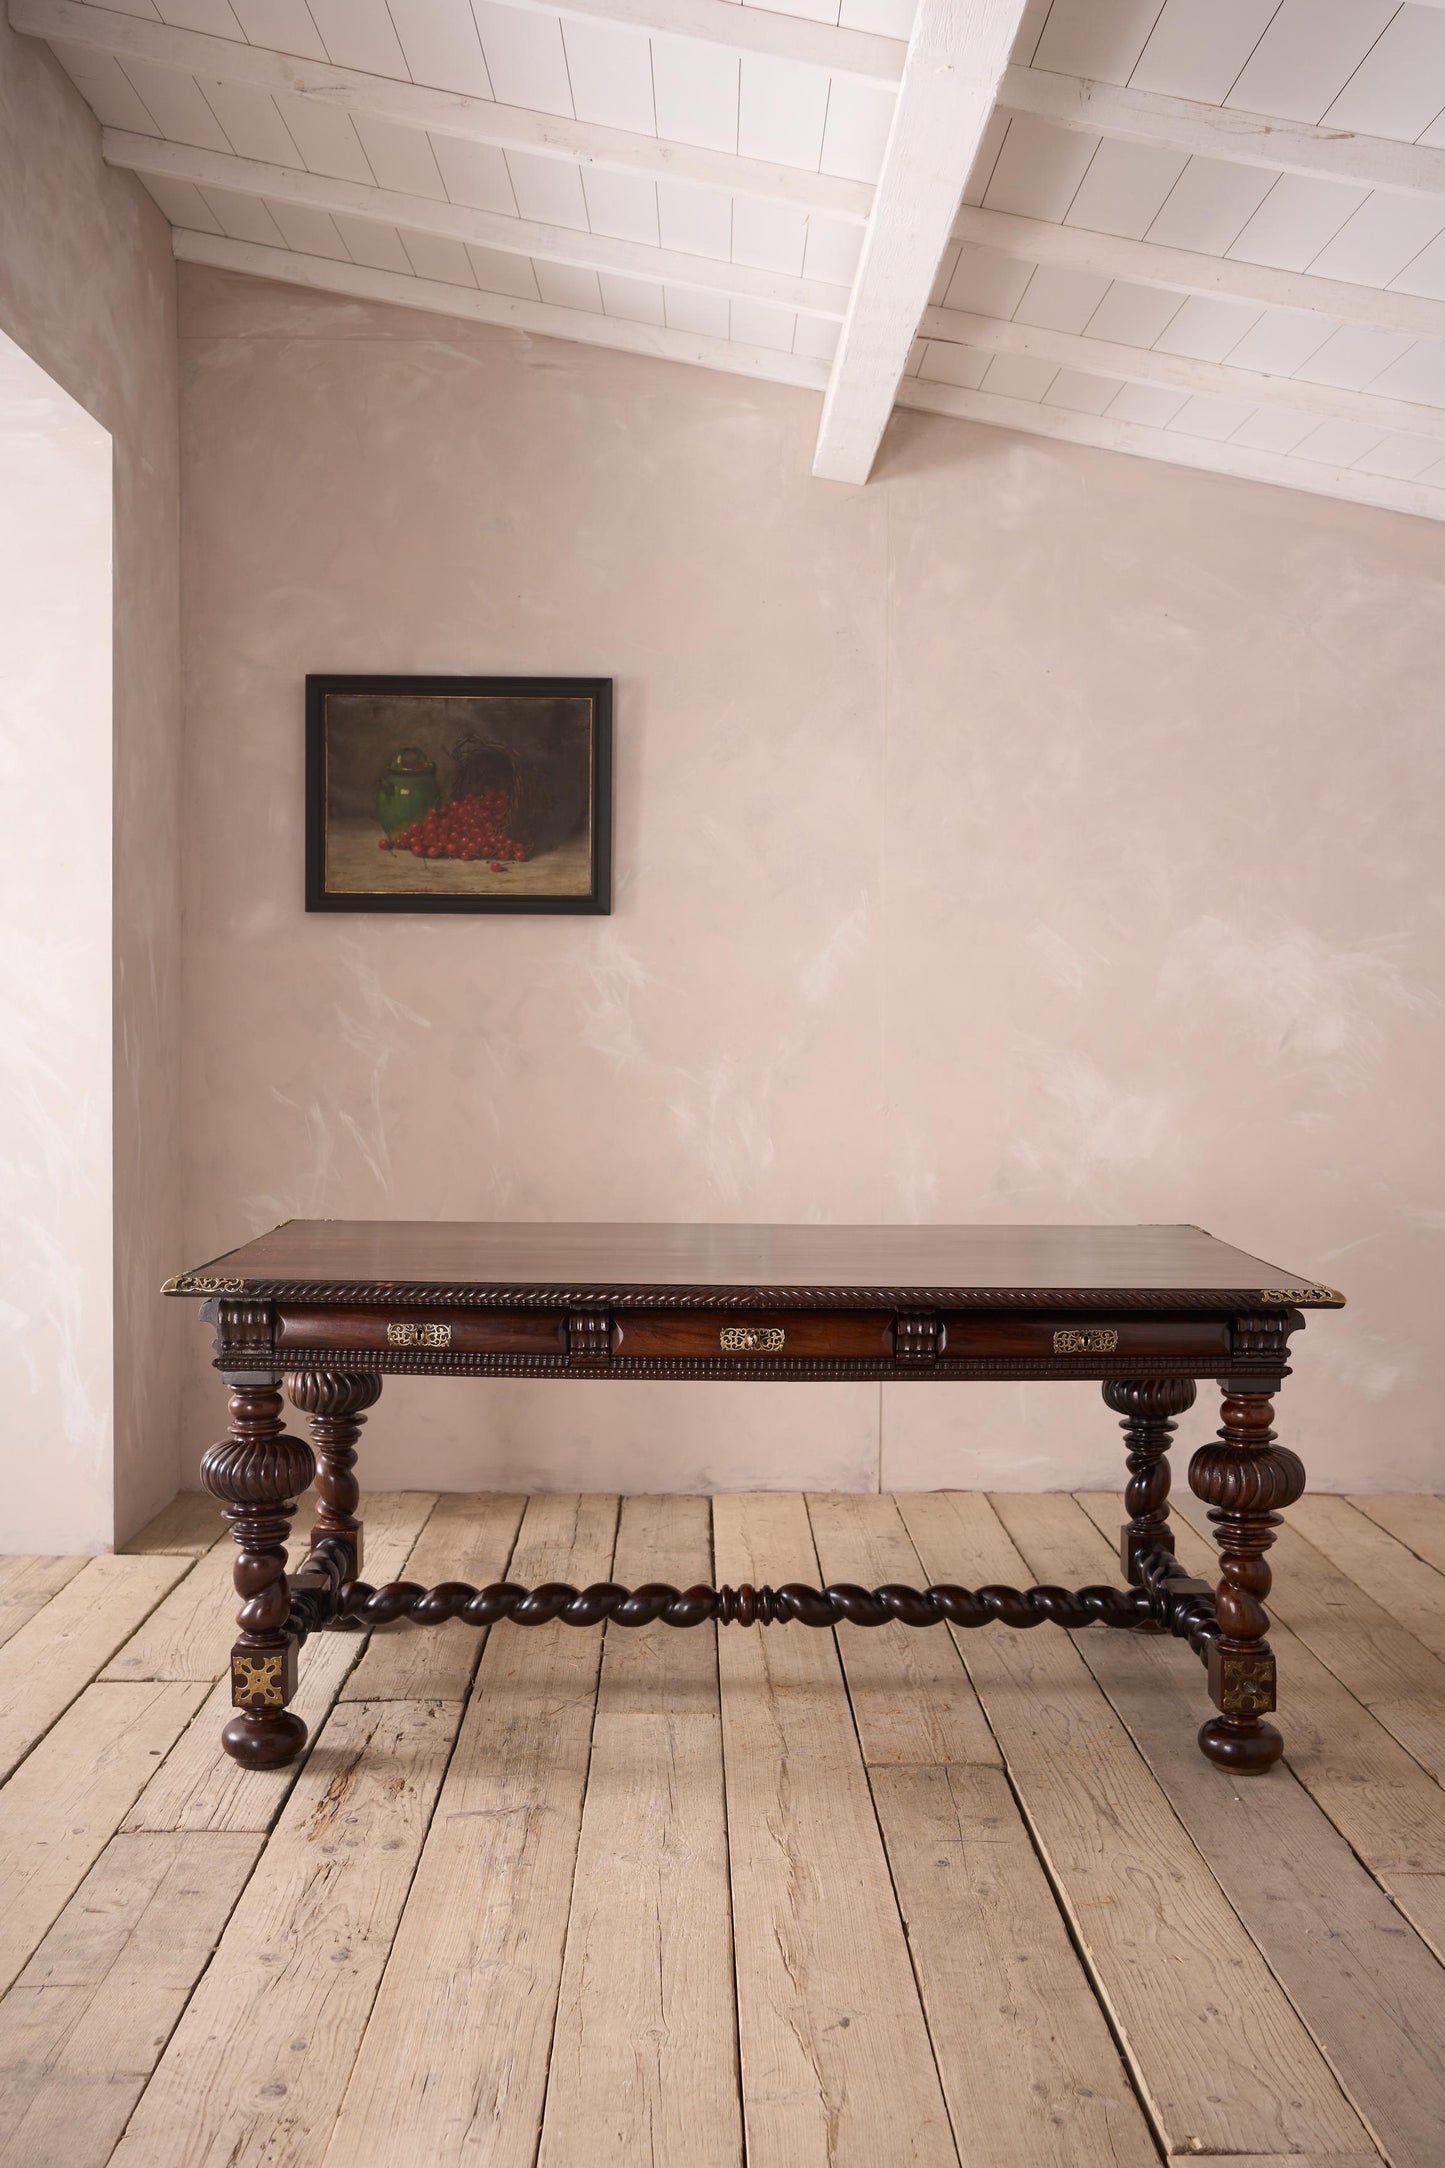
388,1331
969,1338
754,1336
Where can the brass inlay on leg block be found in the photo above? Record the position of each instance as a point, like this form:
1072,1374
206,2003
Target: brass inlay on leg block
256,1682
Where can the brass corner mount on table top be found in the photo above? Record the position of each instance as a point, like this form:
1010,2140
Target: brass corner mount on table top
1297,1295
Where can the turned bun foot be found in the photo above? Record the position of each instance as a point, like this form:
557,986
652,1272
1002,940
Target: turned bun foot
1245,1750
266,1741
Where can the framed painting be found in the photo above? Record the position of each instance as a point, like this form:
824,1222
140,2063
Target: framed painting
458,794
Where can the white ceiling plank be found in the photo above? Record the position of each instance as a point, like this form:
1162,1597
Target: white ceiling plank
183,204
312,232
498,274
950,78
1061,300
1197,47
177,105
832,251
1212,418
1126,187
1179,270
1134,315
622,204
332,94
215,16
698,222
1308,54
1297,219
1019,376
634,299
104,85
252,123
1382,239
1207,328
1211,203
572,288
1081,394
1352,358
287,26
404,158
244,218
547,189
610,72
989,284
326,137
816,337
781,110
461,224
856,130
1108,433
442,45
474,173
768,238
1179,372
541,318
706,314
1038,168
1083,37
1399,86
756,322
433,257
525,58
1148,403
1248,137
695,89
379,246
359,34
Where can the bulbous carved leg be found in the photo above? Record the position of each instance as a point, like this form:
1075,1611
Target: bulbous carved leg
336,1402
257,1471
1147,1406
1244,1477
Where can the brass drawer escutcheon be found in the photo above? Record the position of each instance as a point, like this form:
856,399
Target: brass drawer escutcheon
405,1334
1094,1340
751,1339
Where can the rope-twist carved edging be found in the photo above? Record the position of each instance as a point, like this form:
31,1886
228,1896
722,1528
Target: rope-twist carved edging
742,1606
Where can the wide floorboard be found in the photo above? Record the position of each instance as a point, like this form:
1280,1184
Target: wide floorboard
553,1898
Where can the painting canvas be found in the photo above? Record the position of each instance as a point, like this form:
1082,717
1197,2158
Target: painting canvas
458,794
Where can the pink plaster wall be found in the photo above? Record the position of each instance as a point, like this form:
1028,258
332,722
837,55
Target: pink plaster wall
87,288
1034,834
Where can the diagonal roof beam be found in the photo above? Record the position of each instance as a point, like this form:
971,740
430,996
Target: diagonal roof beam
1185,271
357,282
1180,372
441,112
1217,131
460,222
955,57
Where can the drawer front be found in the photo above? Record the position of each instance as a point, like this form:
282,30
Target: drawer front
1083,1340
754,1336
391,1331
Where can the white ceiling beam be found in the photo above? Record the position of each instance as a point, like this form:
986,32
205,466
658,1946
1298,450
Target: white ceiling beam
1180,372
440,112
956,55
459,222
543,319
1216,131
1185,271
1176,450
859,53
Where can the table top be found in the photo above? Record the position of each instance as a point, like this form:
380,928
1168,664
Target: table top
494,1262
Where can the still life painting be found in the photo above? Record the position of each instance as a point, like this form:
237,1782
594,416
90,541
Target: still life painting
458,794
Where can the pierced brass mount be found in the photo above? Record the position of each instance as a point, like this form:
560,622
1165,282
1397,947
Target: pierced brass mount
1301,1294
751,1339
402,1333
1093,1340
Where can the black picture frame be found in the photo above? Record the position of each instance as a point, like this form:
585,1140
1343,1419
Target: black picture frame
335,863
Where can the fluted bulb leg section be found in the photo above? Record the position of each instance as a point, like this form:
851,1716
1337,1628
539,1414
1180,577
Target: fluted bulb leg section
1245,1478
336,1402
257,1471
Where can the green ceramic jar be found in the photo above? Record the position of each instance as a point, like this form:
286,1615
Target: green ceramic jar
408,789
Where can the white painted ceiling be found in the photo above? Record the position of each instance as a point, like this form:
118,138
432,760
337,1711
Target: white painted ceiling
1205,231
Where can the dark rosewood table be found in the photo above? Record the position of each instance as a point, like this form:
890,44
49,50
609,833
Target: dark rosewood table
332,1306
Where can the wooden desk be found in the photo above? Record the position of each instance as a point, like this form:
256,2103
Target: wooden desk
333,1306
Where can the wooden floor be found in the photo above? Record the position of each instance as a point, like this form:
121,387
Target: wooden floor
685,1900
